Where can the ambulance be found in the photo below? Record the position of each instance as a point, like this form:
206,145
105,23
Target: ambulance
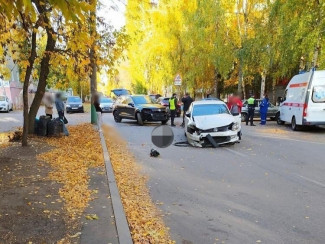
303,103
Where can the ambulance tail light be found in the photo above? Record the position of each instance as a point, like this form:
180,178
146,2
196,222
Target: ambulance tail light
305,110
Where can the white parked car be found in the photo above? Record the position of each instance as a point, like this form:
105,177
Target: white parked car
5,104
304,100
209,122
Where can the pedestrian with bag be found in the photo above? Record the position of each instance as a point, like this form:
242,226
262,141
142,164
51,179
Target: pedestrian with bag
172,108
264,106
187,101
235,105
60,108
99,112
251,103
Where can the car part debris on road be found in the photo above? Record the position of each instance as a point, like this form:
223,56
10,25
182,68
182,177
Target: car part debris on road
154,153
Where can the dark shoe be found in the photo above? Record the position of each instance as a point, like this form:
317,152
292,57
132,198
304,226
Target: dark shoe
253,125
173,125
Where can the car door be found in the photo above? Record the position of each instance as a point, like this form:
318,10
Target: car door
129,108
257,109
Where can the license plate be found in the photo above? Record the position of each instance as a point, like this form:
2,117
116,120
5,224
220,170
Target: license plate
74,108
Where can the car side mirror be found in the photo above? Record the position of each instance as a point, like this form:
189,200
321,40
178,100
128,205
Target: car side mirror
188,115
131,104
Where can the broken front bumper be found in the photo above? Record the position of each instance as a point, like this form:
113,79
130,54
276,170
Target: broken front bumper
220,138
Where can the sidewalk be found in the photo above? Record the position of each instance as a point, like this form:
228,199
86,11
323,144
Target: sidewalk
56,191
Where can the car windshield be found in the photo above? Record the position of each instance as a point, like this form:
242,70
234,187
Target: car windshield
209,109
106,100
319,94
2,98
142,100
74,99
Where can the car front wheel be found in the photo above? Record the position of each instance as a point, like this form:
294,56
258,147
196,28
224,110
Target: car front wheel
117,118
139,119
163,122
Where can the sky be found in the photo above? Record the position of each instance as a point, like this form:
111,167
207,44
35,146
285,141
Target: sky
113,11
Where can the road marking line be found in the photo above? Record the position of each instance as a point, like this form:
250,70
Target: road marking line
310,180
285,138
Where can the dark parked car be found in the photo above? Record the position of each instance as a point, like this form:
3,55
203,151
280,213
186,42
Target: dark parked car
139,108
165,102
271,113
74,104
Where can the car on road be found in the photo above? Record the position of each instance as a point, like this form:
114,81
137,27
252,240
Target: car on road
271,113
209,122
106,104
164,101
74,105
139,108
5,104
304,101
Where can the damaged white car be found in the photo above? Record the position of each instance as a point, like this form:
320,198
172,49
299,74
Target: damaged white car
209,123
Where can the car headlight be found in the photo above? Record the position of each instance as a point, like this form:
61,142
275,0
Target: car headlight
80,105
68,106
235,127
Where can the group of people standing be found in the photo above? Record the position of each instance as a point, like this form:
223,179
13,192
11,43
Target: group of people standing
173,104
234,104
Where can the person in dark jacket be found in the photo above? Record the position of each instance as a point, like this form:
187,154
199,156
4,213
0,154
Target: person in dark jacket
60,108
99,111
187,101
251,104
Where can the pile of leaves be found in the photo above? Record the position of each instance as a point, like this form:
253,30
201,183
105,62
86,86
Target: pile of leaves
4,139
70,160
144,219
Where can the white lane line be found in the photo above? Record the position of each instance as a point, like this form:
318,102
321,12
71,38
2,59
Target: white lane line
311,180
285,138
235,152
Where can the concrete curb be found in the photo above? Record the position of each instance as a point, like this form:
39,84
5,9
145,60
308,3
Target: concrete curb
122,226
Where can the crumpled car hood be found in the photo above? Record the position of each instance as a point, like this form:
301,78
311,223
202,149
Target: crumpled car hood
213,121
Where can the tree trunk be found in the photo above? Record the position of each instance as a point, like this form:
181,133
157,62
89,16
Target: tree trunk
240,80
25,88
44,72
273,90
263,84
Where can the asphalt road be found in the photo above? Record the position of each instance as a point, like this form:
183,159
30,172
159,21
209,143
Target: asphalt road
270,188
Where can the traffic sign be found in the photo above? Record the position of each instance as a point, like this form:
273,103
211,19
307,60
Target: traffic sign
178,80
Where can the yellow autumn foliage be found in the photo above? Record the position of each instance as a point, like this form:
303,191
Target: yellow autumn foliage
70,160
144,218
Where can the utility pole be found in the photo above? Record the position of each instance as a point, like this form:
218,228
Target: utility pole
92,56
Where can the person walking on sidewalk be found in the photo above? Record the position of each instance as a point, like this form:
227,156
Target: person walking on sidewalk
60,108
186,100
264,106
48,103
251,102
99,112
172,108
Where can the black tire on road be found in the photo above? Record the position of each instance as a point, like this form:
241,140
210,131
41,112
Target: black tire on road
139,119
117,118
294,125
278,120
163,122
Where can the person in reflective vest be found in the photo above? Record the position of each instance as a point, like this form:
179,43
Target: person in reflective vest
172,108
264,106
251,103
